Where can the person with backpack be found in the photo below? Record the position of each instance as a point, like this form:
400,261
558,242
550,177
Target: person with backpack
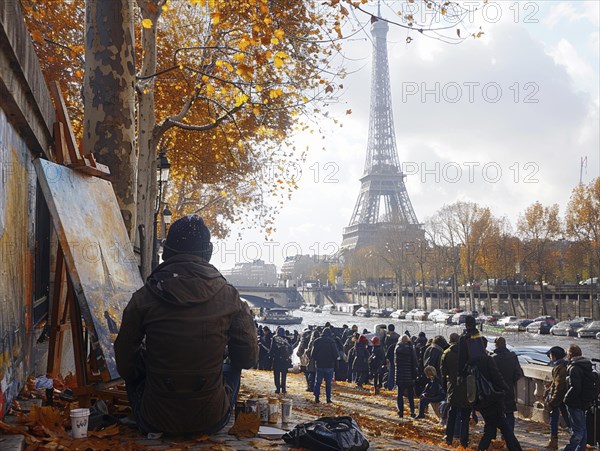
510,368
580,395
280,354
460,409
485,386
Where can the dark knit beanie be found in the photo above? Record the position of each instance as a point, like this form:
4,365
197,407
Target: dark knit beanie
188,235
470,322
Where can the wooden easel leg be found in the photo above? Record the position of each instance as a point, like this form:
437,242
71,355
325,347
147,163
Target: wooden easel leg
58,323
79,349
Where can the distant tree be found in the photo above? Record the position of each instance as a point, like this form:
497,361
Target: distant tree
583,225
538,227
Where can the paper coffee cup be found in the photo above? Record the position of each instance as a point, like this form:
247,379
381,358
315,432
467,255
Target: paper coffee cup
286,410
79,422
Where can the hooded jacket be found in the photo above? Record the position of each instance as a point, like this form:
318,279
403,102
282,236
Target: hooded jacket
406,365
579,367
325,351
190,319
511,371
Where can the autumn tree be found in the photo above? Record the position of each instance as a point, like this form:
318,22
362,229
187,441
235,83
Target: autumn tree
583,225
538,227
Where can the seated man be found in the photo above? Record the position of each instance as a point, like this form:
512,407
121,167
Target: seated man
176,332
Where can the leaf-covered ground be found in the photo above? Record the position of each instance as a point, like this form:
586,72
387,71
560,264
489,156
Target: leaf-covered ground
47,428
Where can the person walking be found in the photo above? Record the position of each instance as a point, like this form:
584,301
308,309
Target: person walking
360,364
578,397
176,332
556,394
491,405
280,354
433,354
377,364
325,353
405,374
460,409
389,344
511,371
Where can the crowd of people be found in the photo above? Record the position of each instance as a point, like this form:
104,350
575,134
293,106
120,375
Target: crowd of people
457,376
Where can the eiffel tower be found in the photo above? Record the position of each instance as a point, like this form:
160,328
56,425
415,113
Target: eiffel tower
383,201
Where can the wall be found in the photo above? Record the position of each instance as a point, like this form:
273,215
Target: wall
26,115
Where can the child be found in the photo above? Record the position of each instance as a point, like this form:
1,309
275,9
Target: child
433,391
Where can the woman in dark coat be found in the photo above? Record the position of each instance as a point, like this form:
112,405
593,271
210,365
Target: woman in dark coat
377,363
280,354
264,346
406,373
360,365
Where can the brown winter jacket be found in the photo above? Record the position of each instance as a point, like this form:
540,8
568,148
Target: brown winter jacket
558,388
190,318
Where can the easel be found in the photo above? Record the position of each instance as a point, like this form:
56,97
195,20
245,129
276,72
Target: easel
65,314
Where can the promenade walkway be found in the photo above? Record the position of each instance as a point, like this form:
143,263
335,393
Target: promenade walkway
376,415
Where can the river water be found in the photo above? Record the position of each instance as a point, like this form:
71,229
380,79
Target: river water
589,346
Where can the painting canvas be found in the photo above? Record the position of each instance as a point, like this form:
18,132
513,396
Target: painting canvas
98,253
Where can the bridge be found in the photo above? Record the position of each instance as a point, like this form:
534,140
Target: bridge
265,296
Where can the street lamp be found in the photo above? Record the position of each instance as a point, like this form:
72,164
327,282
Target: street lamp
162,175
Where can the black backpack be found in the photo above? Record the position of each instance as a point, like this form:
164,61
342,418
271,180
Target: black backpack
590,390
328,434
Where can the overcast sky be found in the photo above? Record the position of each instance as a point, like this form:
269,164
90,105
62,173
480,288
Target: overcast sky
503,121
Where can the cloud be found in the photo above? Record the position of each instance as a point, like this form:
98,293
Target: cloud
581,71
573,12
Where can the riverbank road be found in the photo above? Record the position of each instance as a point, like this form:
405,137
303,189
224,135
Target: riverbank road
376,414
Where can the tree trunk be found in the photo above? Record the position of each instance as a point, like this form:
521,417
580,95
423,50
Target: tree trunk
147,142
109,98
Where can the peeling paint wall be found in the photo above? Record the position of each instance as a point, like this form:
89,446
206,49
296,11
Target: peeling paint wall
17,246
26,119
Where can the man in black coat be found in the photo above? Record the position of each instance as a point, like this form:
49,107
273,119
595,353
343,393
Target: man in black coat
580,374
389,344
491,405
325,353
510,368
456,394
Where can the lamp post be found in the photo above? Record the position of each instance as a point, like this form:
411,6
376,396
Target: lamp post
162,175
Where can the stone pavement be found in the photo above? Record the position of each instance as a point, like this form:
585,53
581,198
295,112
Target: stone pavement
376,414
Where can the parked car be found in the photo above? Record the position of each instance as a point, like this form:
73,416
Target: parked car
444,318
532,354
459,318
435,313
566,328
382,312
547,319
590,281
421,315
598,336
539,327
456,310
488,319
589,330
582,319
518,326
411,315
398,314
502,322
363,311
